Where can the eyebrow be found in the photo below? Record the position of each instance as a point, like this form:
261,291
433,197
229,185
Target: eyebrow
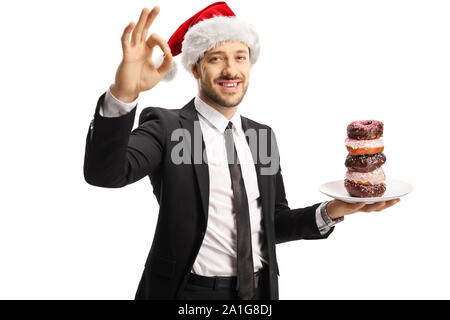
223,52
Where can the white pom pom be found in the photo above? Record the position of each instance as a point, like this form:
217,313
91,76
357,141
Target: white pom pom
171,73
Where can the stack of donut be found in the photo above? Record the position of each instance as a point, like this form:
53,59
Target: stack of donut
365,177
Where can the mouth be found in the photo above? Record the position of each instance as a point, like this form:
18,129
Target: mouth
230,85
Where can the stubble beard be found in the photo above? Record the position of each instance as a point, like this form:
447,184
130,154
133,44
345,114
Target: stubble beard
211,94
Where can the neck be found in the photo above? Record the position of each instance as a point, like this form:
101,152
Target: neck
228,112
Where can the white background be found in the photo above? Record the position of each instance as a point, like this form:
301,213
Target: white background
323,64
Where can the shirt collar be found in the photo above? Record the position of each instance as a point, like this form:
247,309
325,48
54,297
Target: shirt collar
218,120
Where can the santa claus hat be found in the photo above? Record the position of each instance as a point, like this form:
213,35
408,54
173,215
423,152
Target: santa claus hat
207,29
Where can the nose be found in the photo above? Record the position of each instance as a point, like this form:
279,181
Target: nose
230,69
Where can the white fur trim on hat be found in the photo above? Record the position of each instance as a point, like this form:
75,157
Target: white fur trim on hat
209,33
171,73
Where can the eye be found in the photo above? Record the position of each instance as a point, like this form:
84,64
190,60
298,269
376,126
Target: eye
242,58
214,59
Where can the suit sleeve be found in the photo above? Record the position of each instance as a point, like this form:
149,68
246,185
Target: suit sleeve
116,156
293,224
113,107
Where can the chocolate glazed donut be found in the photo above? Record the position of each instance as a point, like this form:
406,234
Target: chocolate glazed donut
362,191
365,163
365,129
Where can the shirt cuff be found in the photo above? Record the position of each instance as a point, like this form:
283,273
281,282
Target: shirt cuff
113,107
324,222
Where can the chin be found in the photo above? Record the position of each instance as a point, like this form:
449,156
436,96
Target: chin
231,102
230,98
227,100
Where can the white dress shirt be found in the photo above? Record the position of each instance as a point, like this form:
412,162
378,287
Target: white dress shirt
217,254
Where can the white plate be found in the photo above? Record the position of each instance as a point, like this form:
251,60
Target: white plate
394,189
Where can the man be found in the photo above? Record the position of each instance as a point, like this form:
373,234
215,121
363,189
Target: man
219,221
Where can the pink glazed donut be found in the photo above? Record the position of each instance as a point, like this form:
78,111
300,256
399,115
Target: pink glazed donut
365,129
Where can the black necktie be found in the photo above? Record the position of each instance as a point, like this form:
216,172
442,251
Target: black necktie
245,283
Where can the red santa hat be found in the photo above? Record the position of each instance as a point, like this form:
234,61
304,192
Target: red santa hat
208,28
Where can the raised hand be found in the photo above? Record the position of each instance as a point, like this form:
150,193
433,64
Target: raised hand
137,72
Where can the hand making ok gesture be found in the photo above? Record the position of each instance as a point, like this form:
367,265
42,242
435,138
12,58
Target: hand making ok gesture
137,71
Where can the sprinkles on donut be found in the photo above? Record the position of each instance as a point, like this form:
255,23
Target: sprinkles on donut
365,177
365,129
365,162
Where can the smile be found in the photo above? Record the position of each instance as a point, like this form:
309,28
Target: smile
229,85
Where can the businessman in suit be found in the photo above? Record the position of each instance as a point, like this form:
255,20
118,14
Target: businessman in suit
214,172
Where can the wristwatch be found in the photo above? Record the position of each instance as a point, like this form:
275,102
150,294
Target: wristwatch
330,222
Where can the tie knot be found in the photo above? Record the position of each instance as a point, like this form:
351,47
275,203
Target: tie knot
229,127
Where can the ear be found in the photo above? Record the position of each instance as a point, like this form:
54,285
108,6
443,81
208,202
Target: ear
195,71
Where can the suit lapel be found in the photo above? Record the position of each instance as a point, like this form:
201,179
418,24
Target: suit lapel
266,200
263,183
189,121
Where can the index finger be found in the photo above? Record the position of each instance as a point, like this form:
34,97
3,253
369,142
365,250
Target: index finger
154,40
383,205
374,206
391,203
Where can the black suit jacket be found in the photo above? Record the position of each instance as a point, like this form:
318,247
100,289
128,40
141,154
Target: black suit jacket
114,158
